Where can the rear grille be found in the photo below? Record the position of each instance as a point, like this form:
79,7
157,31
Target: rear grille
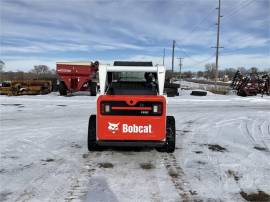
142,108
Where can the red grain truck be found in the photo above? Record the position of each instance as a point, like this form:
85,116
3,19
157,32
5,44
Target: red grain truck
77,76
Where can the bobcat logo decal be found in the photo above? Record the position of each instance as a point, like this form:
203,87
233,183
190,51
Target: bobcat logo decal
113,127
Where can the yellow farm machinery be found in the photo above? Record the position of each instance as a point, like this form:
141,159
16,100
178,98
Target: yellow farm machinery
27,87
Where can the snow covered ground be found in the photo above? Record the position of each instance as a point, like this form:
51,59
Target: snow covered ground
223,152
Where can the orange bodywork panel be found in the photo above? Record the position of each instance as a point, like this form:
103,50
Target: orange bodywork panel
131,120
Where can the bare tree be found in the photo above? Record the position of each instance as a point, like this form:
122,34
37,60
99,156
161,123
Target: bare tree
210,70
266,71
169,74
40,70
243,70
187,75
230,72
2,65
200,74
253,70
19,75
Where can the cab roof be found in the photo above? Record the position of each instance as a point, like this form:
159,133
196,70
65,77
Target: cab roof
133,63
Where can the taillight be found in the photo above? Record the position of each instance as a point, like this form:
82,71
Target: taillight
107,108
156,108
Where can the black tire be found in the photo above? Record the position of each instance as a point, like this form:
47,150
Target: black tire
241,93
92,140
93,88
171,92
169,145
198,93
62,88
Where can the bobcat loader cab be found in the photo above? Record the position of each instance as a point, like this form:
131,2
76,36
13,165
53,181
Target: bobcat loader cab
131,108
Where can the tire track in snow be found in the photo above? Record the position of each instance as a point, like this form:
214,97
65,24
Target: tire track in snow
266,128
34,187
156,196
260,127
255,132
265,135
177,176
79,188
246,132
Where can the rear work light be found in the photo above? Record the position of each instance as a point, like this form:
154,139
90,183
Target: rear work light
157,109
107,108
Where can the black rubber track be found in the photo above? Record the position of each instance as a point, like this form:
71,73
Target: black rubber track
169,145
92,141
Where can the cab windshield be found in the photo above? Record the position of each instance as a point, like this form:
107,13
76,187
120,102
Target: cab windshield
132,83
129,76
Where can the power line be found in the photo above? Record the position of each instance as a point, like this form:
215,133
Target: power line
236,11
190,57
237,49
198,24
193,30
187,55
237,7
242,5
227,52
205,60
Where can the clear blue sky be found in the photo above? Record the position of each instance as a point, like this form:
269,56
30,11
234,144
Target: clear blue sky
45,31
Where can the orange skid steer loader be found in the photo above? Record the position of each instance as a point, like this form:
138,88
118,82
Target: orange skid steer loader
131,108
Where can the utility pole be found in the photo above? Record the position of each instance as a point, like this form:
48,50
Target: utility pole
163,56
180,65
173,55
217,46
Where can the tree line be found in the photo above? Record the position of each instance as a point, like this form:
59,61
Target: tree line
39,72
223,74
